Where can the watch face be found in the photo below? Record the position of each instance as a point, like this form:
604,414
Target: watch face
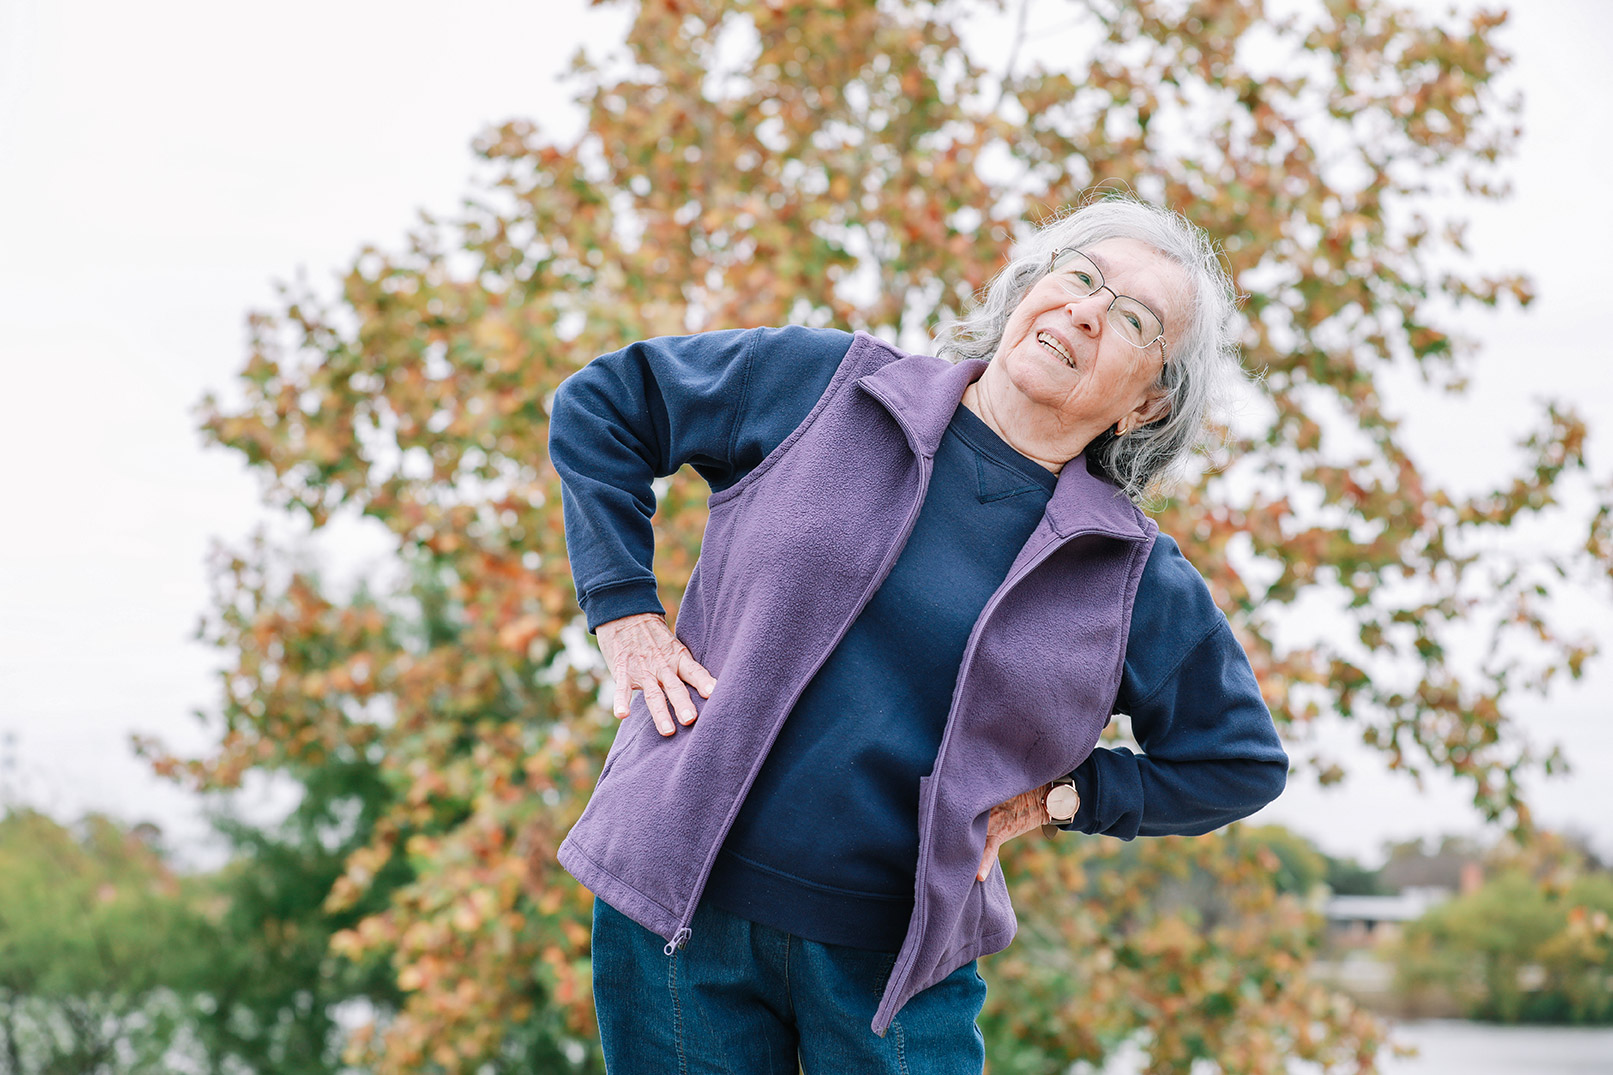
1062,803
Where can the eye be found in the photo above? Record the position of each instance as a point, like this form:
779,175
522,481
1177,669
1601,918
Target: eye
1135,322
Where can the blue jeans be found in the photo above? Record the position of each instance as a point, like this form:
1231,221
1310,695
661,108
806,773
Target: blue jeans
746,999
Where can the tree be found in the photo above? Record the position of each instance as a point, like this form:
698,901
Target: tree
93,930
1517,951
269,992
852,163
1347,877
1301,867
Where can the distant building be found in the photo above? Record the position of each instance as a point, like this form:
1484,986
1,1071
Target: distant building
1454,865
1364,921
1359,928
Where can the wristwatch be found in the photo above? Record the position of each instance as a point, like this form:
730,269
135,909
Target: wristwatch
1059,804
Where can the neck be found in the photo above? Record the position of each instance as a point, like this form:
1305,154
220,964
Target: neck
1050,449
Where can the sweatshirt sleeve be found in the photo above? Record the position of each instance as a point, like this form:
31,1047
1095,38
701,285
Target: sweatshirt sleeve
718,401
1210,750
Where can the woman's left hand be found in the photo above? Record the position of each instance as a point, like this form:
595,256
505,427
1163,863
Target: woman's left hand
1019,815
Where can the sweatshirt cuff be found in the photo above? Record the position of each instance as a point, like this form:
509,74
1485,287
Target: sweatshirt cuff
1086,786
621,599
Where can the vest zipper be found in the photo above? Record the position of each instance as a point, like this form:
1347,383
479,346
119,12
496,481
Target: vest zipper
904,967
925,469
679,939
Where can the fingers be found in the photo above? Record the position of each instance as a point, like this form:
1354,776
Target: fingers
656,702
664,696
644,655
989,859
994,840
678,695
1014,818
694,673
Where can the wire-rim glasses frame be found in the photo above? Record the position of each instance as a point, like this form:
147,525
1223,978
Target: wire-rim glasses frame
1069,276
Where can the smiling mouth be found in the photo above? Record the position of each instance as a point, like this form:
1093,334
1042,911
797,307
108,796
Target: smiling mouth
1052,344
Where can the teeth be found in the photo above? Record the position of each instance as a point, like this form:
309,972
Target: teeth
1052,344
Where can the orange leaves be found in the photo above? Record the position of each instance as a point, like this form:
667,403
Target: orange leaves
517,635
1185,937
1171,943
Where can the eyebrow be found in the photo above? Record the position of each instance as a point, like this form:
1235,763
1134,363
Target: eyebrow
1152,305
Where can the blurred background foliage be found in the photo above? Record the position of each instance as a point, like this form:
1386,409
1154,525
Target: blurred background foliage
90,930
855,164
112,963
1532,943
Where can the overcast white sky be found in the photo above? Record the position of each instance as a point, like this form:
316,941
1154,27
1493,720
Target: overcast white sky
162,163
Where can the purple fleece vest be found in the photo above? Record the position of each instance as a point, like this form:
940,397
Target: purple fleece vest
791,554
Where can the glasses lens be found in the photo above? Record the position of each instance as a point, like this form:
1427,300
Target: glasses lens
1076,272
1135,321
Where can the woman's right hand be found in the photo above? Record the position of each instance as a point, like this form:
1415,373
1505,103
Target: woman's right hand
643,654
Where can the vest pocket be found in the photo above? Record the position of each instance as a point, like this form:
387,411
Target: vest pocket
629,733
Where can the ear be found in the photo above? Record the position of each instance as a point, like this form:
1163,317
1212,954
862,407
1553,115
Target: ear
1155,405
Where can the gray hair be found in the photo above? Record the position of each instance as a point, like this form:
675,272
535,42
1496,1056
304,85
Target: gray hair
1203,369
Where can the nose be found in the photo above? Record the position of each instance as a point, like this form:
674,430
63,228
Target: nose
1087,314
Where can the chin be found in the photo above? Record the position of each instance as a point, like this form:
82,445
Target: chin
1033,370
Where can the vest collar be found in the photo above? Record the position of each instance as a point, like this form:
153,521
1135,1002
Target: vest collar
923,392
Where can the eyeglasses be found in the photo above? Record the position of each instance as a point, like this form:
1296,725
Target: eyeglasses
1136,323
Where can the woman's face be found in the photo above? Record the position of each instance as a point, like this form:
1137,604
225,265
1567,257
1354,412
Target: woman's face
1063,362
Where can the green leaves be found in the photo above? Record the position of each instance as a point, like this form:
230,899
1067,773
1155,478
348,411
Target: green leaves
1526,946
95,948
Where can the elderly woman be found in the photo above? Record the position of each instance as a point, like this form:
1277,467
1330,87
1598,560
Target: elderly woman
924,589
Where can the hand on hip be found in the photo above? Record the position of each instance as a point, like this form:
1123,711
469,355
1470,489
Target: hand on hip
643,654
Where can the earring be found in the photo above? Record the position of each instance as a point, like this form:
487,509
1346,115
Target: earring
1120,428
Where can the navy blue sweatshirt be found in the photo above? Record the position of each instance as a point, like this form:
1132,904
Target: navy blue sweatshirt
826,842
869,724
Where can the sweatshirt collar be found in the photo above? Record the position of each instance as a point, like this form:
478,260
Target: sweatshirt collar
922,392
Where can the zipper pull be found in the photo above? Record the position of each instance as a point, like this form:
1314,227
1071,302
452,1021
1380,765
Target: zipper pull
679,939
